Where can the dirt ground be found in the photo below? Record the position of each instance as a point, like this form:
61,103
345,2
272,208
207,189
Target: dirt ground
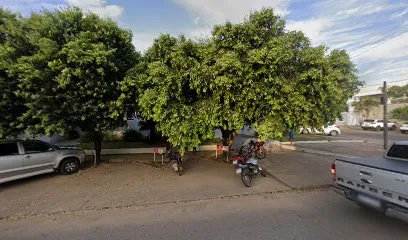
125,182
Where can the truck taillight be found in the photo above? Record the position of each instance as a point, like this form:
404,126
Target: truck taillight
333,169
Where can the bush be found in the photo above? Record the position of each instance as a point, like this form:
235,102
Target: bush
400,113
112,136
132,135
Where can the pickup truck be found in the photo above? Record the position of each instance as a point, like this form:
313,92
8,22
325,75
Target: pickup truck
379,182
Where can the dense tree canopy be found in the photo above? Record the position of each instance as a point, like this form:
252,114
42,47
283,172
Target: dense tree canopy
13,45
74,74
251,73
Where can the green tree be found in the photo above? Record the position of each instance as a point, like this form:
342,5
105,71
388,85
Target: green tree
365,105
75,75
251,73
262,75
400,113
167,94
398,91
13,44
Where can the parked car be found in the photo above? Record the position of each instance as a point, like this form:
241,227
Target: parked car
404,128
366,124
377,182
378,125
332,130
20,159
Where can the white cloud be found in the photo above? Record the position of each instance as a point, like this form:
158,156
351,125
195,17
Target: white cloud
394,48
99,7
399,14
313,27
215,11
142,41
360,11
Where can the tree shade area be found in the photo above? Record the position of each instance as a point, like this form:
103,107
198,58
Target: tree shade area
61,70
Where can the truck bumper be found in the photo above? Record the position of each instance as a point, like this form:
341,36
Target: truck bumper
389,209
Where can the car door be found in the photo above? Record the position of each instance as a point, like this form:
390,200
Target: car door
38,156
11,161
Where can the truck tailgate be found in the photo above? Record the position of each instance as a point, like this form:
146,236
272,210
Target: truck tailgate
382,184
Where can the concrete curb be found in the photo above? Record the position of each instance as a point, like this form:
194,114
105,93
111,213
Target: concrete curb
327,141
121,151
307,150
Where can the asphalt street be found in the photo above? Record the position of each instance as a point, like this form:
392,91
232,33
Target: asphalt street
356,133
320,214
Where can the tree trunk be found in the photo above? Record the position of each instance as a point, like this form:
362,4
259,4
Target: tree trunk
152,129
97,146
225,136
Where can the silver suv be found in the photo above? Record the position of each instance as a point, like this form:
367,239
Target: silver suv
20,159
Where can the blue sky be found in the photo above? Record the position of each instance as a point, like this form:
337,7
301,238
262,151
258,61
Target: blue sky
374,32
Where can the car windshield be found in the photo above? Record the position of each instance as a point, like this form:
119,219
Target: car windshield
406,123
369,120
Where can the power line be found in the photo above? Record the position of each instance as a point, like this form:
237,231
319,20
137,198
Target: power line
381,43
380,38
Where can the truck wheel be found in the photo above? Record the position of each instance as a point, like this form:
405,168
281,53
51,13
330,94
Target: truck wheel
393,127
69,166
378,128
305,131
402,131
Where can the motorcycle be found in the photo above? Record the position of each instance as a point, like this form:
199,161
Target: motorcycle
249,169
256,149
176,161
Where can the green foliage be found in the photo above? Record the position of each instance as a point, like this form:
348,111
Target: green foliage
112,136
254,72
365,105
132,135
398,91
13,45
400,113
73,75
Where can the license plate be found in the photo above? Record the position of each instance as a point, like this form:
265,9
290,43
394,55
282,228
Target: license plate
370,201
235,162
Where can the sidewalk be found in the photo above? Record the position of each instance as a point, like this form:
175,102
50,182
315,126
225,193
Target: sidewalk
127,183
299,170
366,149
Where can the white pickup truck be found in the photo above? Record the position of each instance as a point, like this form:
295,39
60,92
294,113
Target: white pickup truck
379,182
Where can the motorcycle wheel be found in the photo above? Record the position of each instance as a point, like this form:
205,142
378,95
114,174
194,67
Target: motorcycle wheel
260,155
262,172
247,177
180,167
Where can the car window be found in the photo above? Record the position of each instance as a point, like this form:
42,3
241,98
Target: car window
380,121
398,151
7,149
369,120
35,147
406,123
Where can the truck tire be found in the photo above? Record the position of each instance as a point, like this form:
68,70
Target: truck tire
393,127
68,166
378,128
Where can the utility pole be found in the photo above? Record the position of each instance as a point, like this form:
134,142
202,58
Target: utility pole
385,103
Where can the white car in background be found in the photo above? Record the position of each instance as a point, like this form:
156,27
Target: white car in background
331,130
404,128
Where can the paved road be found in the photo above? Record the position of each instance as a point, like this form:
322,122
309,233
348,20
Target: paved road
372,135
309,215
